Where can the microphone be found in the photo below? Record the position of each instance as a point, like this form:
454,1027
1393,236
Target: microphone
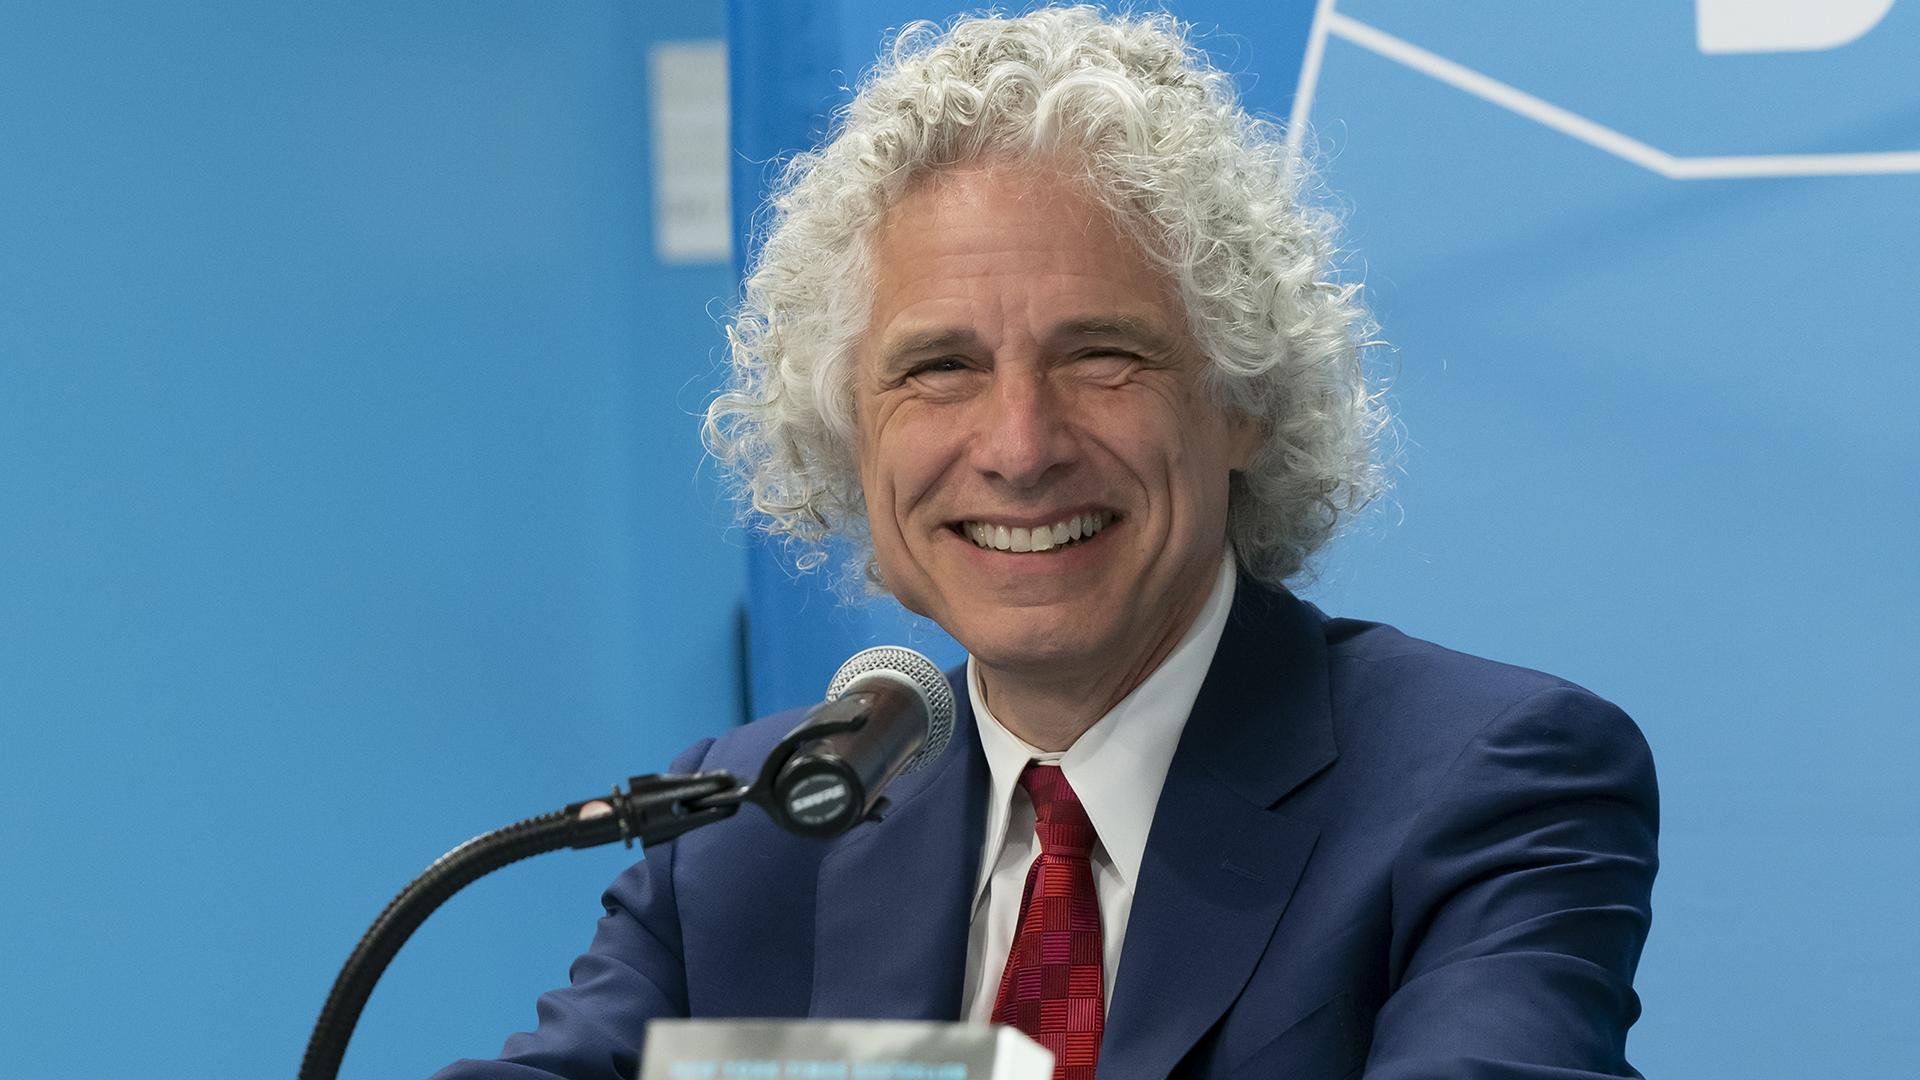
888,711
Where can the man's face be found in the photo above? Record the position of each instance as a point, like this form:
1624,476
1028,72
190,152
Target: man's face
1027,376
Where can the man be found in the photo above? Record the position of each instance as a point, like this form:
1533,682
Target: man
1046,324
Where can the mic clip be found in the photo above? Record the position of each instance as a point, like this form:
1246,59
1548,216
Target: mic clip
655,807
833,718
660,806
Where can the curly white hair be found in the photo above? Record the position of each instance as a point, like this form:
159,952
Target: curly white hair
1153,131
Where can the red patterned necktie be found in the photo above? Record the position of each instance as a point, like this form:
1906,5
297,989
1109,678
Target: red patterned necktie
1052,988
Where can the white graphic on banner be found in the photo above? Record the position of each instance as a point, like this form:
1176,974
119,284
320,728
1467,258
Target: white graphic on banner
1750,26
1328,21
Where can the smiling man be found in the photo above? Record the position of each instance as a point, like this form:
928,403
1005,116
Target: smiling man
1044,465
1046,331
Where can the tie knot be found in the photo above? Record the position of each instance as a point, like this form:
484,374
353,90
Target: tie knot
1060,821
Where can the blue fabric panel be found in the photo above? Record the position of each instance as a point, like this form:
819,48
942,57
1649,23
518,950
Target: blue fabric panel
1660,441
347,509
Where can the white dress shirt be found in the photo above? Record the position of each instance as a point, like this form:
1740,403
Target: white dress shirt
1117,768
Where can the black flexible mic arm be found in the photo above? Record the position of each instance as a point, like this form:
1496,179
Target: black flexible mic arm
654,808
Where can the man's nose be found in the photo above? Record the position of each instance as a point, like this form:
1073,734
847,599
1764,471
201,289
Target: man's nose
1024,437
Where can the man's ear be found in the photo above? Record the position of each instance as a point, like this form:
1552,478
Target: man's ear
1245,435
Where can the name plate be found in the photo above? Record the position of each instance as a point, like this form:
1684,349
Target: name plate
839,1050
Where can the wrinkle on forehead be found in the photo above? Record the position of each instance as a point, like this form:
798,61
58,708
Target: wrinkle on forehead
961,197
1049,181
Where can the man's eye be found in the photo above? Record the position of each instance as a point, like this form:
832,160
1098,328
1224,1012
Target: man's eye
1106,363
935,367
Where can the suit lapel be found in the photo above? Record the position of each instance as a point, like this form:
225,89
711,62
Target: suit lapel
1220,866
895,898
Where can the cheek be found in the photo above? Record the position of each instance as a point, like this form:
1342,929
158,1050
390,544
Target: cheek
1207,448
1219,440
903,462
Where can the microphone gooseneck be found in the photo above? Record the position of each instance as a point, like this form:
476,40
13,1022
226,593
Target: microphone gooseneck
654,808
888,711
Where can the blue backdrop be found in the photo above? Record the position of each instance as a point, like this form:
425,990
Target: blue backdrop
350,496
350,505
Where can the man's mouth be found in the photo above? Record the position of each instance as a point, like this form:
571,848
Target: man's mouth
1073,530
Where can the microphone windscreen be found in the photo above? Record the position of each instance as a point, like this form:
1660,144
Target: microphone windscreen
906,666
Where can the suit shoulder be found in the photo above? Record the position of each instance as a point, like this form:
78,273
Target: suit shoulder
1414,721
1400,657
1377,671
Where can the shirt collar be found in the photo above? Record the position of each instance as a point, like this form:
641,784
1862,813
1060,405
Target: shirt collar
1119,765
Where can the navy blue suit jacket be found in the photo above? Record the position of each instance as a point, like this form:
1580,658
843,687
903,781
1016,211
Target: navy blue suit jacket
1371,853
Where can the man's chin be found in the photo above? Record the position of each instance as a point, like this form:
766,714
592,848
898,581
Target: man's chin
1021,639
1016,611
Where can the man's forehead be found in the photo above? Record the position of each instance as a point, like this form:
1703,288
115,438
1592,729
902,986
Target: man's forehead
978,194
962,262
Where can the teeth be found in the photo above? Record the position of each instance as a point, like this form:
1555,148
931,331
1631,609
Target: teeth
1045,538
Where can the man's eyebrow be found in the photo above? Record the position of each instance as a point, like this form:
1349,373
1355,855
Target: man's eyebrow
922,342
1143,331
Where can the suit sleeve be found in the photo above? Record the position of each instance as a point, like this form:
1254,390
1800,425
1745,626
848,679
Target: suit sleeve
635,971
1521,900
